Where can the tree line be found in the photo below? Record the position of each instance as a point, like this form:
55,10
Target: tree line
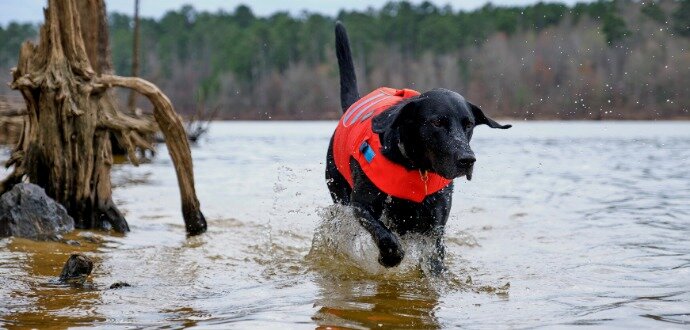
619,59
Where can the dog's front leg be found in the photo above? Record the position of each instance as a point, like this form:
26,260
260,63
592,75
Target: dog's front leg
390,251
367,202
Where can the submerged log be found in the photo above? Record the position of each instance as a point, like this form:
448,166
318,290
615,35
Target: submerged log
75,271
119,285
65,145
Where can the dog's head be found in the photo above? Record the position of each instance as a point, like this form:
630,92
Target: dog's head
435,129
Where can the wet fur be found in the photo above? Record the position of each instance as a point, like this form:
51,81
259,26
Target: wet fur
429,132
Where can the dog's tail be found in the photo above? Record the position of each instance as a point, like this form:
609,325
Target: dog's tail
348,79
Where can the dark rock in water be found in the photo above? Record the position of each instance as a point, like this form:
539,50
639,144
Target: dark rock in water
91,237
26,211
119,284
72,242
77,268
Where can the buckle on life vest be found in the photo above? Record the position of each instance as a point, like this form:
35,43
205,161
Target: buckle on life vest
366,150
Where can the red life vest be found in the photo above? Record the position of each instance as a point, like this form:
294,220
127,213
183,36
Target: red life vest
355,138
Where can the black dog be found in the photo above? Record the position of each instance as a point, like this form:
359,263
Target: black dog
427,133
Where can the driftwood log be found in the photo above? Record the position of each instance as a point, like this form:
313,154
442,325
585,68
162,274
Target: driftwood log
65,145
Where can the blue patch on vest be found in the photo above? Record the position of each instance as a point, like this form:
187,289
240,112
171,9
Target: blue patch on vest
367,151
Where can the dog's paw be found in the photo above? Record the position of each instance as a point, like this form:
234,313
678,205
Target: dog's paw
392,258
391,252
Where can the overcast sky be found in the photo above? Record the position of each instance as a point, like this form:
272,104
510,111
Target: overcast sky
30,10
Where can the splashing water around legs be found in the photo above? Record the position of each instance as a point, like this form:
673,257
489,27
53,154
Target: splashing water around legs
343,248
341,235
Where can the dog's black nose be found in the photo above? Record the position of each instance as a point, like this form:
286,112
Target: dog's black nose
466,161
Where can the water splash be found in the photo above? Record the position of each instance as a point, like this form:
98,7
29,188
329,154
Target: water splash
343,250
339,239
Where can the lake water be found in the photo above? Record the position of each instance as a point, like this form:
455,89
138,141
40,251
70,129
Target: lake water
564,223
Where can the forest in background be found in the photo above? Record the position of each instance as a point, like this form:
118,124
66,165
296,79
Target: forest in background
618,59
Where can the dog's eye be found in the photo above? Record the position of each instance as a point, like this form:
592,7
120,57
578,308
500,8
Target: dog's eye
437,122
466,124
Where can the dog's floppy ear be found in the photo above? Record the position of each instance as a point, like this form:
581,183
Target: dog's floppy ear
481,118
389,118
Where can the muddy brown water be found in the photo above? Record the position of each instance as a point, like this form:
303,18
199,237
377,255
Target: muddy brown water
563,224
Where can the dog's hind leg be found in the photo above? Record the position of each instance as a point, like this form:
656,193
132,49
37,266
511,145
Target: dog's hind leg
436,261
337,185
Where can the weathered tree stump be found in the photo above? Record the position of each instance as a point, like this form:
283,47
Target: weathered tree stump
65,146
11,120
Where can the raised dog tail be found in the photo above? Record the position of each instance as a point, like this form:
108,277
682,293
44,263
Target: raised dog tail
348,78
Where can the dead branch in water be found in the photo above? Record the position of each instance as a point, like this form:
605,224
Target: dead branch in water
132,100
199,123
176,140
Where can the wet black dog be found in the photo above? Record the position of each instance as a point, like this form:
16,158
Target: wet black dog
430,132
